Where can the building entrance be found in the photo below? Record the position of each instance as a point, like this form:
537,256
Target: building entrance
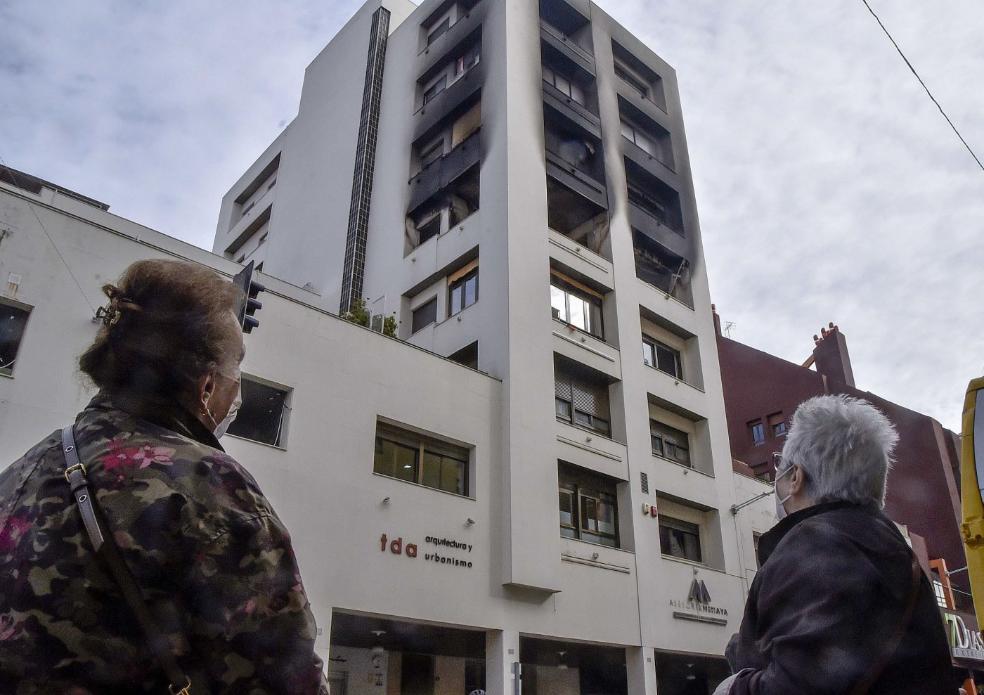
382,656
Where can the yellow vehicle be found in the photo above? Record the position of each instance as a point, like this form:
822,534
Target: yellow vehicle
972,490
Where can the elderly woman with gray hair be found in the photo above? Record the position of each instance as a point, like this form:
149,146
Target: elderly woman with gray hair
840,605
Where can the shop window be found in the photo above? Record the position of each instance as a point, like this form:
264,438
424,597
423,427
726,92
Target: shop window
582,402
777,424
264,413
419,459
679,538
588,507
424,315
662,357
670,443
463,288
576,304
757,428
13,321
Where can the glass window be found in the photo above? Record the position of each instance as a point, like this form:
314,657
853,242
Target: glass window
438,31
419,459
395,460
13,321
758,431
435,88
563,84
429,229
582,404
263,414
588,506
576,307
431,152
670,443
424,315
563,409
463,292
679,538
662,357
779,429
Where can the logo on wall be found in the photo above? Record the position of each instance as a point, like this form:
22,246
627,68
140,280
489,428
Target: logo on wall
698,607
964,643
398,546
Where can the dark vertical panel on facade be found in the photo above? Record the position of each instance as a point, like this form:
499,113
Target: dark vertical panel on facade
365,162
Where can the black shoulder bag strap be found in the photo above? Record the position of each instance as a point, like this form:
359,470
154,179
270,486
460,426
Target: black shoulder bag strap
892,643
106,548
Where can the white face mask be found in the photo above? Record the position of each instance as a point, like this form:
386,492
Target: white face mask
781,503
220,429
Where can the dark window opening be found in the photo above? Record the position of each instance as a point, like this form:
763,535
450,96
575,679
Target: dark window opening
640,77
661,268
679,538
263,414
467,356
439,31
777,424
435,88
588,506
670,443
415,458
662,357
13,322
424,315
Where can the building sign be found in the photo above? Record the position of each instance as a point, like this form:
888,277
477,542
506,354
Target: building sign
446,551
964,643
698,606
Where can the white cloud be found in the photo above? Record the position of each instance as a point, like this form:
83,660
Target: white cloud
829,188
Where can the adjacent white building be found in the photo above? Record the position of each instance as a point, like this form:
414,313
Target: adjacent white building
531,487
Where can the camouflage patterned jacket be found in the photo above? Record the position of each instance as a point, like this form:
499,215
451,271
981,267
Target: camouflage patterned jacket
211,556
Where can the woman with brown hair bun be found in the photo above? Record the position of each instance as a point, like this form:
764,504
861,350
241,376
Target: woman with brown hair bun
135,554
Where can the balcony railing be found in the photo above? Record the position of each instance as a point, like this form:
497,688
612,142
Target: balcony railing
564,43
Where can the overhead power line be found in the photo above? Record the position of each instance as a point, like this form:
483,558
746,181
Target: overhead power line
928,93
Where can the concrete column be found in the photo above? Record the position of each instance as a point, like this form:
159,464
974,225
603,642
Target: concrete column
640,669
501,662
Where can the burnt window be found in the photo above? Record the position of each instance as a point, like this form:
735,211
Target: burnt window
439,30
13,321
424,315
264,413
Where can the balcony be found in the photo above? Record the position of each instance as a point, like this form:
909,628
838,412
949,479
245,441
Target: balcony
257,215
581,260
577,180
467,23
658,230
451,99
590,450
566,45
586,349
578,113
443,172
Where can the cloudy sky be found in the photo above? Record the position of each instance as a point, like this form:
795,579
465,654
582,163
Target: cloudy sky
829,187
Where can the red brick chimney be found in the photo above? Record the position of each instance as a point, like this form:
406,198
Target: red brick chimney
831,357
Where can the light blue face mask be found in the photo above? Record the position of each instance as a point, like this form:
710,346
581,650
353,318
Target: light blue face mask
781,503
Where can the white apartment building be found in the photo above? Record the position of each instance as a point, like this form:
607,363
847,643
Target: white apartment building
507,496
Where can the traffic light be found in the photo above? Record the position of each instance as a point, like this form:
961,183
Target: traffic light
244,281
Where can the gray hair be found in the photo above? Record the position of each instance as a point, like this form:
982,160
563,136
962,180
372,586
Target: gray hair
844,446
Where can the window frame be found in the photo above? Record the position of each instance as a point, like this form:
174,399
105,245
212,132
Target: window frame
663,439
460,283
564,286
580,491
423,445
680,526
754,426
428,95
654,345
414,328
8,303
280,442
574,91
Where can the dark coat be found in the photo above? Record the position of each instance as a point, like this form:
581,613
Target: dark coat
209,553
833,587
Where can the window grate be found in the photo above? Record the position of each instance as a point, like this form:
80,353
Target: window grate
644,477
